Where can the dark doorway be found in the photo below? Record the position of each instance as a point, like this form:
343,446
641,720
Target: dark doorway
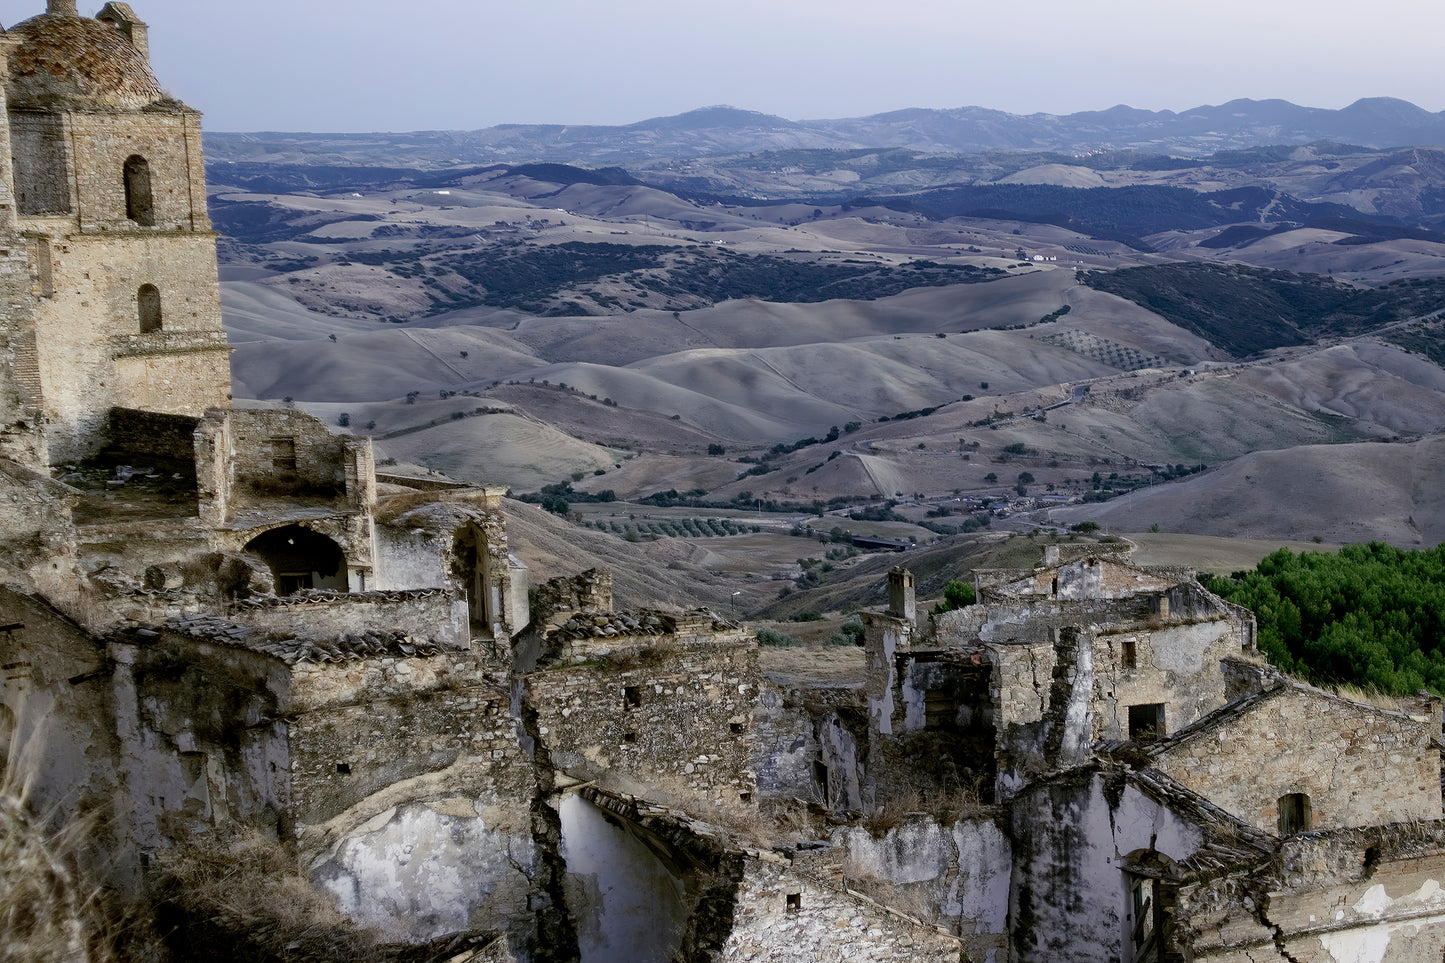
300,559
470,568
139,202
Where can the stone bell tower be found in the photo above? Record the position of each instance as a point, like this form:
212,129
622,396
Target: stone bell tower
109,296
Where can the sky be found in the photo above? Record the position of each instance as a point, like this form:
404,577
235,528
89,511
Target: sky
364,65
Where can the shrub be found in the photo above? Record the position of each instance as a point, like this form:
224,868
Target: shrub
770,636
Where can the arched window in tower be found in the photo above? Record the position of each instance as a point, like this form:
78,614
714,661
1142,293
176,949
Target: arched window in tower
148,305
139,203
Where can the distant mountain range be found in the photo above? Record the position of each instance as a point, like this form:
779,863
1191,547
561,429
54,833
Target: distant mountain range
1378,122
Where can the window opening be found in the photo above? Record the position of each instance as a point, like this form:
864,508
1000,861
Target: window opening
1146,722
1294,813
1129,654
795,902
148,306
139,203
631,697
283,454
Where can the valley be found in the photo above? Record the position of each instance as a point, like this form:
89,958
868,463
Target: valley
1214,346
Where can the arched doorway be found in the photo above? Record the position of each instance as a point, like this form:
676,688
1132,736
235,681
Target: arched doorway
300,559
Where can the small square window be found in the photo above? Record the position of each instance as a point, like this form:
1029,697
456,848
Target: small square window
795,902
631,697
735,727
283,454
344,768
1129,654
629,737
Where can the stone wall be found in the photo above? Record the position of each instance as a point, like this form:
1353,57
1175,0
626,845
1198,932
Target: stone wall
1358,765
784,917
362,726
955,873
1175,665
424,613
810,747
92,353
57,728
1357,896
150,434
665,716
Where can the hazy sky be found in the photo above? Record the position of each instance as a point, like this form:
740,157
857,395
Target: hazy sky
365,65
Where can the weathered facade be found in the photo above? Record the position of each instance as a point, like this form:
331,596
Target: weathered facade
214,618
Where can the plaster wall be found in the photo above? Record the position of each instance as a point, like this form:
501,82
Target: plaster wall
1071,835
958,874
428,868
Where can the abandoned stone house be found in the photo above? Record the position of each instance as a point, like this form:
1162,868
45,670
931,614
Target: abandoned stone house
215,617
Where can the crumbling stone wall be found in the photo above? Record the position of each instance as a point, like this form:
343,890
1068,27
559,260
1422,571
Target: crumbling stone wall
427,613
362,726
59,739
654,714
1358,765
789,918
1368,894
1176,665
285,451
955,872
1069,833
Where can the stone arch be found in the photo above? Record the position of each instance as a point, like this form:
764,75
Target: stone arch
139,198
471,567
300,558
148,307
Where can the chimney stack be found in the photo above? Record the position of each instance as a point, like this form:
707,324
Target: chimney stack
62,8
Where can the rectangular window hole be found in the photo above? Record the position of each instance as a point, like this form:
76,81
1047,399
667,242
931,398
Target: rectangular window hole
344,768
795,902
1129,654
629,737
631,697
283,454
1146,722
735,727
746,797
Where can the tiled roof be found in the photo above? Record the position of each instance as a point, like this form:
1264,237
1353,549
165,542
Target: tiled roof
295,650
76,60
597,625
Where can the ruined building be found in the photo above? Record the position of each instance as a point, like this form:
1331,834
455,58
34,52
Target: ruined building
215,618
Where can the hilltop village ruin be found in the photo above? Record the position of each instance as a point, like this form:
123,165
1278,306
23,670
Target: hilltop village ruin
217,618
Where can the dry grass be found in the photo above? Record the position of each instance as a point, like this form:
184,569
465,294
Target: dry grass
50,907
247,894
965,802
